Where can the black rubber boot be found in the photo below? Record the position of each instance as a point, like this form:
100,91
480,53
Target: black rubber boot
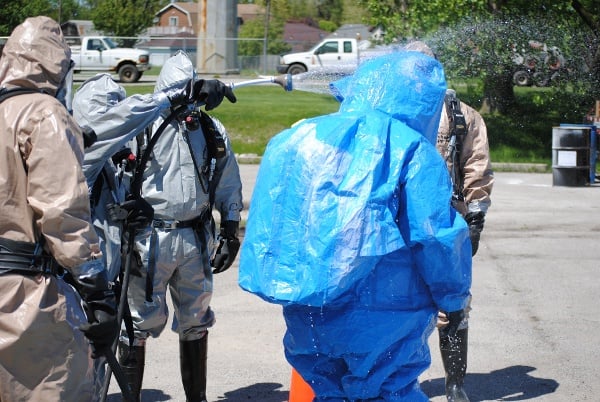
454,357
132,361
192,357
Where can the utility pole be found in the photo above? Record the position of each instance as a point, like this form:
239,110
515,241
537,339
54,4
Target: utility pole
217,37
266,39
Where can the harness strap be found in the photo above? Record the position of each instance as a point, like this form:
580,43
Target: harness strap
166,224
21,257
458,131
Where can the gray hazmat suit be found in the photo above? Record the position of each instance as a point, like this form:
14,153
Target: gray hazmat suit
101,104
177,254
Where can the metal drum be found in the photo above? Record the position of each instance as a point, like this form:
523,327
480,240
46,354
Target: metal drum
571,151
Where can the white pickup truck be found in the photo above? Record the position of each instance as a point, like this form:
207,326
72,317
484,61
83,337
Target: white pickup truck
100,53
343,53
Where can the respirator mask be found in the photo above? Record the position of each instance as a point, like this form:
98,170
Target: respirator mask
64,93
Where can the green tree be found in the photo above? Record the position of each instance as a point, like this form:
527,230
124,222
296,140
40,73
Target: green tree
354,13
477,38
331,10
251,30
126,18
16,11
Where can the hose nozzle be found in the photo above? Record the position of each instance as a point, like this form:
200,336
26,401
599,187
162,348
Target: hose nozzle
285,81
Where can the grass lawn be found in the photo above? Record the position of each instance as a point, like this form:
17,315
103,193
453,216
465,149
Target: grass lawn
261,111
523,136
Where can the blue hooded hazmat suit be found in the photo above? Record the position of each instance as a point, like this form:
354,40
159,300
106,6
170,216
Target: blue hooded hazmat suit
350,228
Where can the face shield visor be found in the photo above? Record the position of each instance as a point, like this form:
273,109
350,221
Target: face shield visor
65,90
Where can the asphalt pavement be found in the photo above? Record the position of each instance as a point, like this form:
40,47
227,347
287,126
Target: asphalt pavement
533,328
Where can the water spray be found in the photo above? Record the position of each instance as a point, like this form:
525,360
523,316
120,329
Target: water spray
316,81
285,81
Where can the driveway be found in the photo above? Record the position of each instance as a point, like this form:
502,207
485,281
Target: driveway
533,336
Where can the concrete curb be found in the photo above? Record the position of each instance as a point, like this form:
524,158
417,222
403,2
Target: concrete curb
521,167
253,159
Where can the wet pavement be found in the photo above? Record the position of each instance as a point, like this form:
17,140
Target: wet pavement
533,329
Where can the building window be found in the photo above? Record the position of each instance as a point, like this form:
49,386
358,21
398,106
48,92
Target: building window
173,21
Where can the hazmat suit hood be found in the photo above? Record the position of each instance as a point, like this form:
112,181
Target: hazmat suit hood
175,73
375,86
35,56
95,97
419,46
329,191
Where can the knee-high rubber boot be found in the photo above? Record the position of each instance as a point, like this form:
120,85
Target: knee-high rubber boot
192,357
454,357
132,361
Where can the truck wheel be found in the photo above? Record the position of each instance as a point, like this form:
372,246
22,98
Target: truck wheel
296,69
522,78
128,73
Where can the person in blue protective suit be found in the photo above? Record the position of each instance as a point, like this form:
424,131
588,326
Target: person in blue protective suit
350,228
101,105
187,167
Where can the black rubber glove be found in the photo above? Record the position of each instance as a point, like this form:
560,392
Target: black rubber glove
183,97
212,92
139,213
228,248
454,320
100,305
89,136
475,220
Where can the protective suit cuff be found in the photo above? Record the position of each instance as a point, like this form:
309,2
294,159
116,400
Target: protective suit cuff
453,303
231,216
477,206
161,99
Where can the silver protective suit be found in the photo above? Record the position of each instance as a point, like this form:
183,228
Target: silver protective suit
101,104
43,195
179,258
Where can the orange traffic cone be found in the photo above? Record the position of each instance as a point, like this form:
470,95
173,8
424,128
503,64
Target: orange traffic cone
300,391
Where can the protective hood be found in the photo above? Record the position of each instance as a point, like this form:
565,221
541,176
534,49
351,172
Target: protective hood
175,73
35,56
326,203
378,84
95,97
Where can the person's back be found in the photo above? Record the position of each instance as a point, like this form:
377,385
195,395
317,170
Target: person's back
462,141
45,230
350,228
471,166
